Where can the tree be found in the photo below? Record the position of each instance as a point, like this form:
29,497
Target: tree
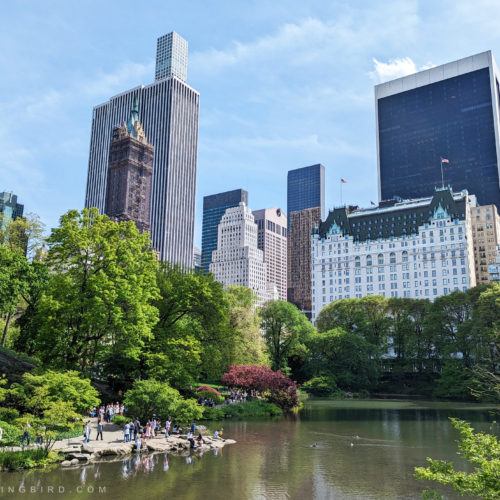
192,327
38,392
23,235
151,397
13,283
347,357
97,305
482,451
344,313
283,326
282,390
248,346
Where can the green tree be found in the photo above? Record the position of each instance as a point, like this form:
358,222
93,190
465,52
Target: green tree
482,451
345,357
284,326
343,313
148,397
248,346
37,393
192,328
23,235
97,305
13,283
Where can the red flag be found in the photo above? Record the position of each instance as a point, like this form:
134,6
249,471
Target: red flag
444,160
343,181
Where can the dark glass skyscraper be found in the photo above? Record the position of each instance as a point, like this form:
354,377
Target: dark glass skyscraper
306,188
214,207
451,112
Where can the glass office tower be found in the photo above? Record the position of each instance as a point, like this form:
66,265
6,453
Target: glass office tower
214,207
450,111
306,188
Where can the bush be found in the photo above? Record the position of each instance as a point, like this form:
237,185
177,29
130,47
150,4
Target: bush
12,460
8,414
320,386
455,382
11,434
257,408
213,413
206,389
120,419
150,397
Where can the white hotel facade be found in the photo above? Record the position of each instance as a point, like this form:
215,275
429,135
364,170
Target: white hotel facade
415,248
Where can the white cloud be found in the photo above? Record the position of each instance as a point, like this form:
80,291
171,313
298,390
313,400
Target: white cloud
396,68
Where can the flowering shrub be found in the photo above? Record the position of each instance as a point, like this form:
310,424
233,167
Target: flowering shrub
210,391
283,391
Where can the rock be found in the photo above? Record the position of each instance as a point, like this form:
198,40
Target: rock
66,463
70,449
75,461
81,457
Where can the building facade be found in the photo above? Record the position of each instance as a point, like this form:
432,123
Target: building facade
306,188
237,260
272,240
214,207
486,237
130,173
169,111
416,248
299,257
10,209
451,112
494,268
171,57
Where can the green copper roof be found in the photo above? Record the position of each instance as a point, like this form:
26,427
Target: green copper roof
393,219
133,117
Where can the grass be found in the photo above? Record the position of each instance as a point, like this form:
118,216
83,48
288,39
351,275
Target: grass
27,459
257,408
20,355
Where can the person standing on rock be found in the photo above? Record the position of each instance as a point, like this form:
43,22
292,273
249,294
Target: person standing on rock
168,423
26,434
86,432
99,429
126,436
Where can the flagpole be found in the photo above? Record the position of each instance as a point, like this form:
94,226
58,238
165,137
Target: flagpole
442,176
341,193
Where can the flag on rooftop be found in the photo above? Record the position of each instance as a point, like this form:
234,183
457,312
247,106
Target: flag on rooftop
343,181
374,204
444,160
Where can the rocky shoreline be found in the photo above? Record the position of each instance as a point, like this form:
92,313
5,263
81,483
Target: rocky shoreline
77,453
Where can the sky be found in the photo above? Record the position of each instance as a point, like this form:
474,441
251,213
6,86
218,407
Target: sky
283,84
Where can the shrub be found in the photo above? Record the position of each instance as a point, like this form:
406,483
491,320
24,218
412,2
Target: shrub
8,414
210,391
148,397
12,460
320,386
11,434
120,419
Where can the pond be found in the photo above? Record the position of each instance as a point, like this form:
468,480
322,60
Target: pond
364,449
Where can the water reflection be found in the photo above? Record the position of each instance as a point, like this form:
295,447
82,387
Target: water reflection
355,449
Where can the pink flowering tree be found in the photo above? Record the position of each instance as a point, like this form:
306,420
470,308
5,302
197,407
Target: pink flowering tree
282,390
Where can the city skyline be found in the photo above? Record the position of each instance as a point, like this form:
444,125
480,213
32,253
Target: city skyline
263,113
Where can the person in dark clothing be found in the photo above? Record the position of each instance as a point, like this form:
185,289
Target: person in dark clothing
99,429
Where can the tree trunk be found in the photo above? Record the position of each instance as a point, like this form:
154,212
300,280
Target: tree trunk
5,330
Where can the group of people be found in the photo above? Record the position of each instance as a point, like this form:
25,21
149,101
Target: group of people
86,430
107,412
236,397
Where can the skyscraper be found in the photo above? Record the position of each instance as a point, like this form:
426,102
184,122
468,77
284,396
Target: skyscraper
450,112
237,260
272,239
306,188
168,110
130,172
214,207
10,209
306,207
171,56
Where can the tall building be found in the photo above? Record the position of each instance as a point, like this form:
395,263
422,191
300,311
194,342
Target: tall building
486,238
416,248
305,194
451,112
196,259
237,260
130,173
272,239
306,188
10,209
299,257
494,268
169,111
214,207
171,57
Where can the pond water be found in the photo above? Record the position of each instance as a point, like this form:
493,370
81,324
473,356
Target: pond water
364,449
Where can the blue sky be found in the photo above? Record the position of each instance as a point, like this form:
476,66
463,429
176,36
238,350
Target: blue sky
283,84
